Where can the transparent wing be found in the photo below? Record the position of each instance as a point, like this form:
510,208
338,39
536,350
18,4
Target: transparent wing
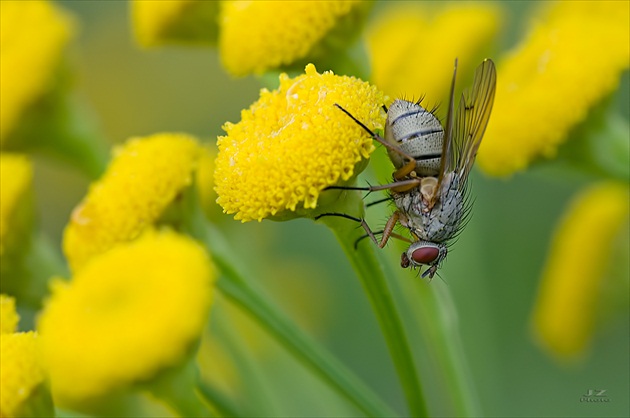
470,121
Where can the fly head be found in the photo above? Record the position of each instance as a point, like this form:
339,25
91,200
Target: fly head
424,253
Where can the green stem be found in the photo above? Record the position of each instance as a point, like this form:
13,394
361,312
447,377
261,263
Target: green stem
241,291
302,347
61,125
191,406
177,389
218,400
256,389
437,317
370,272
431,309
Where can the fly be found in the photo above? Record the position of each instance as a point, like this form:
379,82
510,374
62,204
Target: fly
432,168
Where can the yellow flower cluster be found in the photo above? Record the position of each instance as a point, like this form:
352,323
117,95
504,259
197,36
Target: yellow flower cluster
21,372
28,62
126,315
567,301
16,176
571,60
293,142
412,48
144,177
256,36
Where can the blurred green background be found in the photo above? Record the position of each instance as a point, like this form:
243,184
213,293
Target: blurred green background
492,272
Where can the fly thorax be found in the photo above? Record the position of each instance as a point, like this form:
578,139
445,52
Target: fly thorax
418,133
428,187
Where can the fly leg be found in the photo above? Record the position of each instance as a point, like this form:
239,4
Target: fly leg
401,183
401,172
386,233
361,221
397,186
389,227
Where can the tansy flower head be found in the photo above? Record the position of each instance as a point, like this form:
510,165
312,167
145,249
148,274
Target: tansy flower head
27,62
144,177
572,59
127,315
293,142
567,301
255,36
174,21
412,48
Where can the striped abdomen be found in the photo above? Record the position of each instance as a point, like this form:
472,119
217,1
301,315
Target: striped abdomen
417,132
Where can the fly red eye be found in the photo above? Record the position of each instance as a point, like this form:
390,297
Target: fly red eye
425,255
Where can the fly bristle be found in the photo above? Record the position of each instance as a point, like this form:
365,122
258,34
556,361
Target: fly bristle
434,109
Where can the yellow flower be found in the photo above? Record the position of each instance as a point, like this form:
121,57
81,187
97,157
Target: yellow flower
144,177
22,391
9,318
128,314
412,49
571,60
21,376
566,306
16,213
293,142
28,63
172,21
255,36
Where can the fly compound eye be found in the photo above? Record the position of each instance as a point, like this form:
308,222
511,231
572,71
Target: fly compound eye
425,255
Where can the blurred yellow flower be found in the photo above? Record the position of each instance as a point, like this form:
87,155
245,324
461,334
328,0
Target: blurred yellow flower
571,60
293,142
412,48
174,21
255,36
144,177
21,374
22,391
127,315
28,63
566,305
16,210
9,318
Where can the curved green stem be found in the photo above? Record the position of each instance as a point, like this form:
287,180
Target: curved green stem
434,314
177,389
370,272
243,294
433,311
218,400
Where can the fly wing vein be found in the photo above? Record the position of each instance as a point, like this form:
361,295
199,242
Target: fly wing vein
472,118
